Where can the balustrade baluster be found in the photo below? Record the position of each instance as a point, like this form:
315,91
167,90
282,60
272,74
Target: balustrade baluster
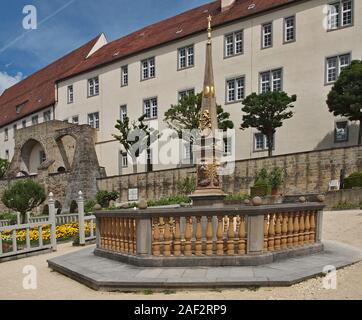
231,237
114,235
156,237
290,231
242,236
188,236
166,238
266,232
284,240
278,232
126,235
131,235
117,235
134,236
198,244
312,228
220,237
301,229
307,228
296,230
271,241
177,241
121,234
209,234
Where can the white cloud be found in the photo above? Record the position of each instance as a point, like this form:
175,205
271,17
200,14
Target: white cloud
6,80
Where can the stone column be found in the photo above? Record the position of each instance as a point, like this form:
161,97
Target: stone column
52,221
319,226
144,236
80,202
255,234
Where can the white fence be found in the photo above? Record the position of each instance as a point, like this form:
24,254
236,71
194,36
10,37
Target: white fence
10,245
13,246
59,219
4,223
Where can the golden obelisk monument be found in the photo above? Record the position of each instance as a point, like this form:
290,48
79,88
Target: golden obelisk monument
208,189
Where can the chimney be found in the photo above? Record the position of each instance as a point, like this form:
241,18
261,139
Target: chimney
226,4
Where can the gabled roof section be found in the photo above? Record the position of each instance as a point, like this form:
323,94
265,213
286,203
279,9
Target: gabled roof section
38,90
177,27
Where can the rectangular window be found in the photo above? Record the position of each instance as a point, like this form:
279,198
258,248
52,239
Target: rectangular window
261,142
15,127
187,152
150,108
185,93
93,87
47,116
123,112
24,124
271,80
93,120
124,160
335,65
289,29
70,94
234,43
75,119
186,57
341,131
148,69
124,76
35,120
235,89
6,134
340,14
19,108
227,146
267,35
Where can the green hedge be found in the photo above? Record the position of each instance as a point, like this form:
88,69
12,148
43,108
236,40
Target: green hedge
353,181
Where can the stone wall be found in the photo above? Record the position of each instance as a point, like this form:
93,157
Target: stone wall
335,198
308,172
55,183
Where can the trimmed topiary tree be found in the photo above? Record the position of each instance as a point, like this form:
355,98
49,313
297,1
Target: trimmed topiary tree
23,197
353,181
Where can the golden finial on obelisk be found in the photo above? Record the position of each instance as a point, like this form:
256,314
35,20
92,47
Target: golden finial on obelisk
209,29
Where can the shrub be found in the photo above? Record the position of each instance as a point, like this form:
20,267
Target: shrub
262,177
353,181
4,165
186,186
276,177
104,197
89,205
9,216
23,197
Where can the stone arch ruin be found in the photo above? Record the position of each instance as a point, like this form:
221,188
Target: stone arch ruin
58,148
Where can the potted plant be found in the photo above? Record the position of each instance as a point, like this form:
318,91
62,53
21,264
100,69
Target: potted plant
276,179
261,186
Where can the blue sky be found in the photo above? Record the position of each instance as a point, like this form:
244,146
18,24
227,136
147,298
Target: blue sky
64,25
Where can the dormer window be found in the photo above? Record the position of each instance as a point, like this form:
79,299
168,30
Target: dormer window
19,108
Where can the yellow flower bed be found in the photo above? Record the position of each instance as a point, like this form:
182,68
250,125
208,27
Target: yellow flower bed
62,232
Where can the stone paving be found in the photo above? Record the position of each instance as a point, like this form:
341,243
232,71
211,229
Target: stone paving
108,275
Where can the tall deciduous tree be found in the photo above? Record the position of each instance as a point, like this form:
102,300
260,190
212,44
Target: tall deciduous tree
23,197
345,98
185,117
4,165
266,112
135,137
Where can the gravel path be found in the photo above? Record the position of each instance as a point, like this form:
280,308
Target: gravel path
344,226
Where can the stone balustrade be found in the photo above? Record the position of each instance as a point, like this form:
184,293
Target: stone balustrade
227,235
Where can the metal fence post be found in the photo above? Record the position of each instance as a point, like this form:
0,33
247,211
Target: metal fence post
52,222
80,202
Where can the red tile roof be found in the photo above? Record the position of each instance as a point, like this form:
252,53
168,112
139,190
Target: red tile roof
190,22
38,90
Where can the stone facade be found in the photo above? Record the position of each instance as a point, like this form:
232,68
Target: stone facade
70,162
308,172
